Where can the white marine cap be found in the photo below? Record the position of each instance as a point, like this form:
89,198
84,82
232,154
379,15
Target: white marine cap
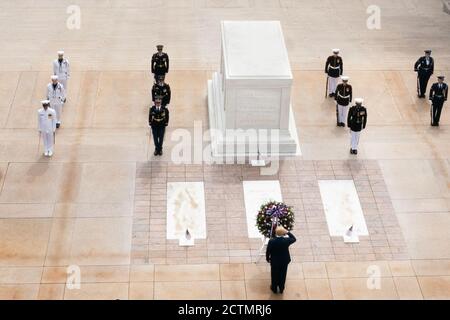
54,77
60,53
359,100
44,102
336,50
345,78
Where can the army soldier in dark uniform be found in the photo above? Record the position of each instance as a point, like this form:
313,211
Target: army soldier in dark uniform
333,68
160,62
356,121
424,68
343,97
161,89
438,95
158,119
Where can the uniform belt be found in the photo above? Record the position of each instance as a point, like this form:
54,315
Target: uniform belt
345,97
438,96
160,65
335,67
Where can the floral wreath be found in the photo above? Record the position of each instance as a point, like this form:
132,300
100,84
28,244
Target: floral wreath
273,214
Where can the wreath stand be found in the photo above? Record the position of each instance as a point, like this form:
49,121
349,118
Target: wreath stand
265,240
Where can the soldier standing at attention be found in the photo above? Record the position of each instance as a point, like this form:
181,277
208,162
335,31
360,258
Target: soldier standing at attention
57,96
356,121
158,119
161,89
343,97
438,95
424,68
47,127
334,67
61,68
160,62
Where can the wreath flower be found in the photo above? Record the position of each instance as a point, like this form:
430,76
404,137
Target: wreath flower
273,214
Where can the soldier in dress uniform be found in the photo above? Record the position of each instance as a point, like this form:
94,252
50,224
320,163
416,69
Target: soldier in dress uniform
61,68
438,95
343,97
356,121
57,96
334,67
47,127
160,62
161,89
158,119
424,68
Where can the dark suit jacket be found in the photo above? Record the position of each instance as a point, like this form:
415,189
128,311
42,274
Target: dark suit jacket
278,250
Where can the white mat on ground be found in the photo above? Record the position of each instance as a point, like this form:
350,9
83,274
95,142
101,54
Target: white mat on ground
342,207
186,210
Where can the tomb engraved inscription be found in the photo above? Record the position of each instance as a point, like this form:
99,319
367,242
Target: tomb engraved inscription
258,108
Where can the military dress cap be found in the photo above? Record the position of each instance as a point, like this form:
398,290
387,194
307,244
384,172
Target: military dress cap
441,77
45,102
345,78
428,51
54,77
359,100
336,50
60,53
159,46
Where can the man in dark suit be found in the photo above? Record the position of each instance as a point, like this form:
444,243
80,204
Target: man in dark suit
278,256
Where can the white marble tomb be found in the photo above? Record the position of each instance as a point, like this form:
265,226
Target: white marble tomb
342,207
186,210
252,93
257,193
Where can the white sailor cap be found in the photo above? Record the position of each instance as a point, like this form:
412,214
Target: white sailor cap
336,50
359,100
60,53
54,77
45,102
345,78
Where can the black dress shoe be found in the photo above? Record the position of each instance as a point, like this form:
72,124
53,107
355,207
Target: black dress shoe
58,125
274,291
355,151
155,153
351,151
160,152
331,95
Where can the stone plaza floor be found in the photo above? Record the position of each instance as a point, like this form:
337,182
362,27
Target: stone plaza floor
100,202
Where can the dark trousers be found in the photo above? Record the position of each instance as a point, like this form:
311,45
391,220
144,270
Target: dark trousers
436,108
159,72
422,82
158,136
278,273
